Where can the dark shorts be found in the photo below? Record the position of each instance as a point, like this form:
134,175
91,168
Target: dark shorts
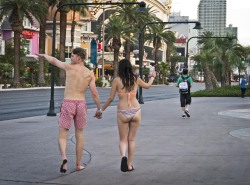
185,99
73,110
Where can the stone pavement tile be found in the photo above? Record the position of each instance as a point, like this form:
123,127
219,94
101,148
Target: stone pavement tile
170,150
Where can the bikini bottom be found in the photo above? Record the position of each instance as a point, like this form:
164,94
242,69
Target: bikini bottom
129,113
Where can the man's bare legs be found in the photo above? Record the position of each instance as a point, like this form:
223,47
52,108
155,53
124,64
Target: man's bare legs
62,142
79,134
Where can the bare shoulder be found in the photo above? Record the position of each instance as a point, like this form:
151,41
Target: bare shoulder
116,80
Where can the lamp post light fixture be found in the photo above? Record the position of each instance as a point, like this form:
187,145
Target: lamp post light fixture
51,112
201,37
141,43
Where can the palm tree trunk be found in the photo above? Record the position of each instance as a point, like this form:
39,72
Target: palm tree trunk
207,79
42,35
224,79
127,50
73,30
213,80
116,45
63,26
16,82
157,69
229,77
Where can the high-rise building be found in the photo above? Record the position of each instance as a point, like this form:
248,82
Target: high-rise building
212,16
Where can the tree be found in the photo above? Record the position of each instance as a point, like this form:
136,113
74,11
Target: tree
226,50
82,9
164,70
16,11
42,38
115,30
159,34
136,19
63,29
206,59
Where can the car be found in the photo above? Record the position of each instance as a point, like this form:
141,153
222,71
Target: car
172,78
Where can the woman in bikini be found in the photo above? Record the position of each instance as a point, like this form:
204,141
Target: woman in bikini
128,109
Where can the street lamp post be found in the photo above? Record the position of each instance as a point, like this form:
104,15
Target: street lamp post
201,37
103,43
51,112
141,43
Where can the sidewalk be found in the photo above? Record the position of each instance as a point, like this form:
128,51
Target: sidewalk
210,148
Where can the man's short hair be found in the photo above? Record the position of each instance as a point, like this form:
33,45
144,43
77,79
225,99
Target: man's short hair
79,52
185,71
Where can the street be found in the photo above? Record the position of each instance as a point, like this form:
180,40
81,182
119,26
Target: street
34,102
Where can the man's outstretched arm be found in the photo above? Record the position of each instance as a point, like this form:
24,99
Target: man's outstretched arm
54,61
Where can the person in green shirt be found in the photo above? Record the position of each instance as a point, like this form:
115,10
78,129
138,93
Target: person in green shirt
184,83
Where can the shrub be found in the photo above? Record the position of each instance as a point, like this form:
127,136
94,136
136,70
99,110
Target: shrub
225,91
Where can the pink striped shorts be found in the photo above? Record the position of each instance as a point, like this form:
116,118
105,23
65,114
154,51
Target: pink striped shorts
73,110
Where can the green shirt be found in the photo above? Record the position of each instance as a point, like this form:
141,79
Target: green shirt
180,79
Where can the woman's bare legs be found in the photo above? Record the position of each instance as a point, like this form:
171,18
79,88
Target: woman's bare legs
127,133
79,134
123,134
133,128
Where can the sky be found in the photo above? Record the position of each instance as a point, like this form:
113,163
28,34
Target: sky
238,14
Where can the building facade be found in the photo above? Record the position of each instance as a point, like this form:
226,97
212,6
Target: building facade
212,16
84,32
182,33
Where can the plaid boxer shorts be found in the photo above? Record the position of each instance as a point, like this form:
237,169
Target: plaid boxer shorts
73,110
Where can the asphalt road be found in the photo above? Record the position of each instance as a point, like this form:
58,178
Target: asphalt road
34,102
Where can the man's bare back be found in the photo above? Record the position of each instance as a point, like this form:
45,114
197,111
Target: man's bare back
78,78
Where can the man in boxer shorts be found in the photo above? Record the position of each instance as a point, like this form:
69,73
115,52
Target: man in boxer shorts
74,108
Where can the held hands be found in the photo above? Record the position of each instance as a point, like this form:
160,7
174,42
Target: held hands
98,114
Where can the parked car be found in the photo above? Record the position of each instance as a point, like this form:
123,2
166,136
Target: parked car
172,78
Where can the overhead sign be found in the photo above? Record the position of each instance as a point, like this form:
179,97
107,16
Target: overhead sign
181,40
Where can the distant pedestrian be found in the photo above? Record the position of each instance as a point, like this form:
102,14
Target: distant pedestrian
243,86
128,109
73,107
184,83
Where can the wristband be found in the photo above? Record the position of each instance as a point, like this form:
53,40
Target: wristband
100,111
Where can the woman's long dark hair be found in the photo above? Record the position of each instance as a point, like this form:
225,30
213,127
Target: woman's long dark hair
125,72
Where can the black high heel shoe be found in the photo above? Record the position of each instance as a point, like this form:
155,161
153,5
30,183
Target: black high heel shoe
62,170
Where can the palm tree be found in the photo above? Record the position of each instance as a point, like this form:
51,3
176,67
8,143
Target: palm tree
16,11
136,19
206,60
63,29
115,30
82,10
42,36
226,50
164,71
159,34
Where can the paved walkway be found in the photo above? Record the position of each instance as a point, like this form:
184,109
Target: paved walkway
210,148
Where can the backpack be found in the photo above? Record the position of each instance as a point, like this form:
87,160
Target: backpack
184,85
